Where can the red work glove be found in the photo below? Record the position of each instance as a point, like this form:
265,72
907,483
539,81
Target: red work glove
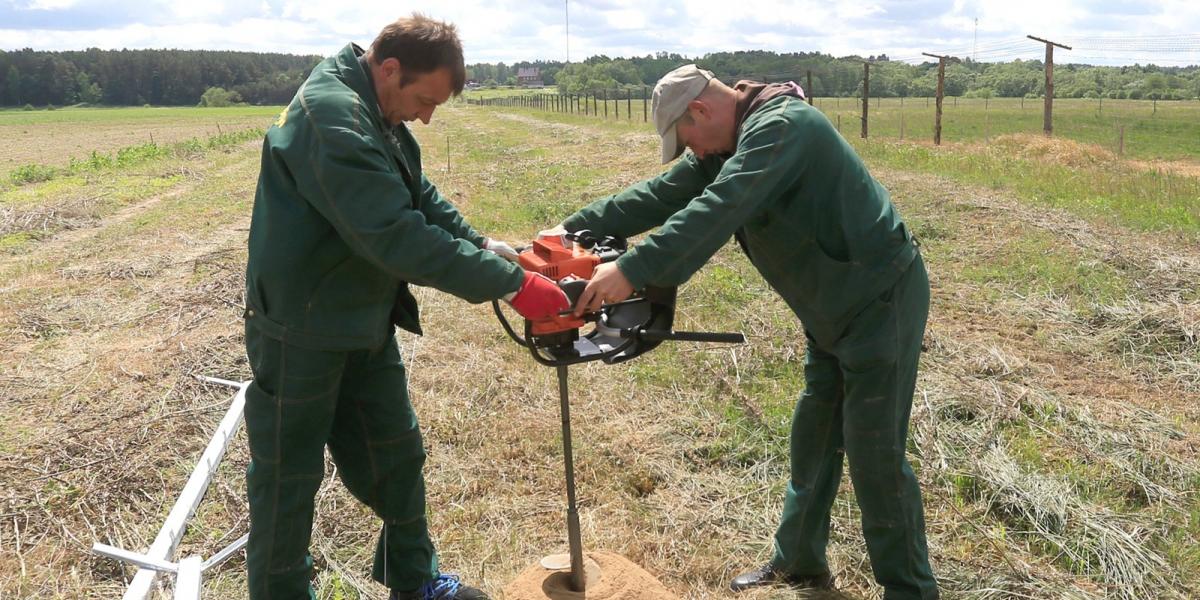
539,297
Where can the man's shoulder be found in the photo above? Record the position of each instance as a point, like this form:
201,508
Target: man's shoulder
785,116
788,108
329,102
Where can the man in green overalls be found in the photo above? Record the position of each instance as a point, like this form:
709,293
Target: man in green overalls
770,170
343,220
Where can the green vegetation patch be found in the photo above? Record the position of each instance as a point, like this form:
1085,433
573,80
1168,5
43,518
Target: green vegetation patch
15,241
1148,200
131,156
1037,263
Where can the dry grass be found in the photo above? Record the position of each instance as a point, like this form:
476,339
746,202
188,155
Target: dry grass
1055,436
1054,149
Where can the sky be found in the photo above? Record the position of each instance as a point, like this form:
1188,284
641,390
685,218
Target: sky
1100,32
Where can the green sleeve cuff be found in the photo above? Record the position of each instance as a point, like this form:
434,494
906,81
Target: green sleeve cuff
574,223
634,270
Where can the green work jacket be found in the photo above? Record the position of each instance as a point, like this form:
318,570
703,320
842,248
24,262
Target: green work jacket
820,229
344,219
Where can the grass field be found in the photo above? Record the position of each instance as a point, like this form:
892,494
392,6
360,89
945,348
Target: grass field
1162,130
1055,428
54,137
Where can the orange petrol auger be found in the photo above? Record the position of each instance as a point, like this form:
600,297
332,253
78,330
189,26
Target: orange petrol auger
623,330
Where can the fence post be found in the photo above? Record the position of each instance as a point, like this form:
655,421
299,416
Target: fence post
628,104
810,88
937,120
1121,143
866,96
645,99
605,93
1047,113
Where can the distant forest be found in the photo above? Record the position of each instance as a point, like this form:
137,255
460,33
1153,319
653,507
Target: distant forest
157,77
843,76
182,77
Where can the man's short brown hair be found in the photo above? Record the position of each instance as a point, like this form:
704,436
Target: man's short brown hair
422,45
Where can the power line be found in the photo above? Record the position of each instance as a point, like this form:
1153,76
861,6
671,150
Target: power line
1155,60
1165,48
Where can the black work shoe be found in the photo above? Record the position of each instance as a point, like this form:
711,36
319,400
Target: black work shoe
767,575
445,587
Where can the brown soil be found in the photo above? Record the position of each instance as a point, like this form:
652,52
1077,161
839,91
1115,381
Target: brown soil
609,577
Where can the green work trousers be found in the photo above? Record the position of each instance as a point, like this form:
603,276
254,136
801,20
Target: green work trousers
857,399
356,403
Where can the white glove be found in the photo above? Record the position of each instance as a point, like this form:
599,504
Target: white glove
557,230
501,249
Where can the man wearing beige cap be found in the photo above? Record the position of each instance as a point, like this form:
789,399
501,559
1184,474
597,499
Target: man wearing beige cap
770,170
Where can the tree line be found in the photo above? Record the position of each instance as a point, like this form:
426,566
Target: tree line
843,76
138,77
190,77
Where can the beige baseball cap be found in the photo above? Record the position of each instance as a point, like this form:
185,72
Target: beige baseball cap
671,97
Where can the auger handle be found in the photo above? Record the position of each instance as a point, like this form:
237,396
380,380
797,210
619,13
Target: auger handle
690,336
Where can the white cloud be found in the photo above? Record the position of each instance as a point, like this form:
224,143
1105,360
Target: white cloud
513,30
51,4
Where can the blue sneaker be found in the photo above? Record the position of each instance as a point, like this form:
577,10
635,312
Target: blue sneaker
445,587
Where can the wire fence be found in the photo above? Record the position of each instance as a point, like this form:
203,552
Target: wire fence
1153,129
627,104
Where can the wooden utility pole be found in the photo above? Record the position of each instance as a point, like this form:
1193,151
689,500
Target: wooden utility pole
941,87
809,91
1047,114
866,96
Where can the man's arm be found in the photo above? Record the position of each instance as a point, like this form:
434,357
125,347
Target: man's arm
770,158
646,205
349,182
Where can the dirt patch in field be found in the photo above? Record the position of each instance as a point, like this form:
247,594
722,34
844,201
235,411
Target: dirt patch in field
609,577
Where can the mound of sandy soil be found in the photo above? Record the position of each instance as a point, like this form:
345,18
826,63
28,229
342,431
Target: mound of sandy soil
609,577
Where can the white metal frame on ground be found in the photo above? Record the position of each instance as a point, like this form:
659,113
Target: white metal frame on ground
188,572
